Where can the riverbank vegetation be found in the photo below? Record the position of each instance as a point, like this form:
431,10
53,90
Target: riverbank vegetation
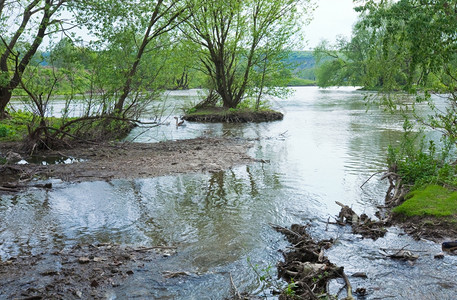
408,46
234,50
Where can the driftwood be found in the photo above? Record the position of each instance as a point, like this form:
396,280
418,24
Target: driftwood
170,274
348,285
237,295
15,188
362,224
402,254
307,266
397,190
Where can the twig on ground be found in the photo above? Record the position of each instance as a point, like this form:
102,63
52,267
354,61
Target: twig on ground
280,228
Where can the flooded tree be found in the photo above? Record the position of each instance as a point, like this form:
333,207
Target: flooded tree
232,37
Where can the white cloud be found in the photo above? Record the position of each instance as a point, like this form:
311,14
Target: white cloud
331,18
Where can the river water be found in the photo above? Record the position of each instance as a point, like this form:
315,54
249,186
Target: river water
326,147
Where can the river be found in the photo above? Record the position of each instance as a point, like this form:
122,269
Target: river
326,147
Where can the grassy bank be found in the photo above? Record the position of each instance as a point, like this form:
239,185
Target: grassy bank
430,201
429,212
424,201
51,133
301,82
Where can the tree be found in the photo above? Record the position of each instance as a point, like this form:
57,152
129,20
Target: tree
232,35
426,31
32,22
366,60
143,23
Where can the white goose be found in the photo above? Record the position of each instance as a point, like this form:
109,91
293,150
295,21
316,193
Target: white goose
179,123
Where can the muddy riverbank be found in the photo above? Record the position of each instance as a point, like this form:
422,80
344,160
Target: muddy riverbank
94,270
80,272
126,160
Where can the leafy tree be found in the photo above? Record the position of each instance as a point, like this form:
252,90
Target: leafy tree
136,29
23,26
234,38
366,60
426,31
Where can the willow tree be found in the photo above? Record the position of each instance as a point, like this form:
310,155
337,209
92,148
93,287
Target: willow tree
140,24
426,31
233,36
23,26
364,60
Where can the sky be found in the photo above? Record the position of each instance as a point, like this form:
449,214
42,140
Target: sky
331,18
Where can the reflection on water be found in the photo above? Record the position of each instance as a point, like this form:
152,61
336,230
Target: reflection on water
322,152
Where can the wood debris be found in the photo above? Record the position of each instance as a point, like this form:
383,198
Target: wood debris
362,224
307,266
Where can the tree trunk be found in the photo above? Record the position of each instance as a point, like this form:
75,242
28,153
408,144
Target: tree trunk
6,89
5,96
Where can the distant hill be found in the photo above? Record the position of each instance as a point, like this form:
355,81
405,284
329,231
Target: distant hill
302,65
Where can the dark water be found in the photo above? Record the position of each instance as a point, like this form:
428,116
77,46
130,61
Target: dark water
326,147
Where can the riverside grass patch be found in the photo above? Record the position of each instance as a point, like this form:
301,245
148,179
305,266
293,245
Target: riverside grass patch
431,200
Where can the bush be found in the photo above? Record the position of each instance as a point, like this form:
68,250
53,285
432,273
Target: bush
419,165
4,131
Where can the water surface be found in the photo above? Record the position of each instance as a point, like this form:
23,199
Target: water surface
326,147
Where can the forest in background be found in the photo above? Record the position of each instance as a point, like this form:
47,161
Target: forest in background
299,69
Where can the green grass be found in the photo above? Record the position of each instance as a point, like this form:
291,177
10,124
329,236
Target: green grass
431,200
14,128
301,82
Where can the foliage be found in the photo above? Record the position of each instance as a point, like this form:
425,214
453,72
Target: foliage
424,31
420,37
251,104
5,131
268,281
15,127
131,34
239,42
420,162
432,200
139,49
363,61
24,26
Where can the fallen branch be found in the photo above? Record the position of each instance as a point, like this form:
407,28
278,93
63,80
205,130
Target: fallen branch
284,229
371,177
348,285
154,248
310,291
305,265
237,294
390,174
360,224
11,190
169,274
